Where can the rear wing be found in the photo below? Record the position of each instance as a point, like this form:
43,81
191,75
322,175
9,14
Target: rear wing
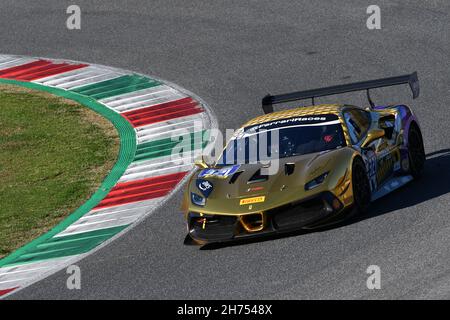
268,101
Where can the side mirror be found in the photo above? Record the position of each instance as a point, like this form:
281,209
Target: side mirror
372,135
200,163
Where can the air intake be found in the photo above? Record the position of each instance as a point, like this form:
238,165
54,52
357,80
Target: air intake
258,177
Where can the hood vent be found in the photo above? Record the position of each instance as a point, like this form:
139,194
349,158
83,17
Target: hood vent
289,168
234,177
258,177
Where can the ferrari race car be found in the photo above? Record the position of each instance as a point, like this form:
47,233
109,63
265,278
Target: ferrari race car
332,160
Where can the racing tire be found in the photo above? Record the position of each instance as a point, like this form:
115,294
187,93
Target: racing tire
361,186
416,151
189,241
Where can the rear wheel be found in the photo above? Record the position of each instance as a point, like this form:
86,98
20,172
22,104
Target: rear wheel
416,151
361,186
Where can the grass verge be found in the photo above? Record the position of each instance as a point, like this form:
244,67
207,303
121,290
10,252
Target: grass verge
54,153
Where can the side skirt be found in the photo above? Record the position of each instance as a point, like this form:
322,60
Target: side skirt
391,185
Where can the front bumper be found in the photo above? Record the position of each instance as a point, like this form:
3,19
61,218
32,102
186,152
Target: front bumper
305,213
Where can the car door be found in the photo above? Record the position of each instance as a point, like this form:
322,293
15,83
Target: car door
381,155
388,149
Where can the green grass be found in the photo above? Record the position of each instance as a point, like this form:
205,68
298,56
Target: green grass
54,153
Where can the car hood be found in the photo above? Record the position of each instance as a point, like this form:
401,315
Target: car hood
245,192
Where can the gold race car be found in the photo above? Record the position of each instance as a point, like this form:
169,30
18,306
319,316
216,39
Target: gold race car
328,158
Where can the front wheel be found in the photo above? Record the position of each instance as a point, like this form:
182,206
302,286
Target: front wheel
189,241
361,186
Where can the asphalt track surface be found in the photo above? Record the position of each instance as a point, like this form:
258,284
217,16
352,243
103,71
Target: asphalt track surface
231,54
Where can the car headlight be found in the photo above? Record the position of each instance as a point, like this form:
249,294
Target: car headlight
198,199
316,181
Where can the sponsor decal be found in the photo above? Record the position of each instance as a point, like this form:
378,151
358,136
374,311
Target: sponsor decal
204,186
222,173
305,120
255,189
245,201
385,167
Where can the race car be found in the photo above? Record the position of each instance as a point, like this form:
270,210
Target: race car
332,159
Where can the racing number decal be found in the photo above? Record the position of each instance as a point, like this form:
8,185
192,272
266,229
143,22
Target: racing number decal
380,166
371,167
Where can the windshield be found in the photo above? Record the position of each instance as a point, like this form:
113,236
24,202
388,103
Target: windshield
284,138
